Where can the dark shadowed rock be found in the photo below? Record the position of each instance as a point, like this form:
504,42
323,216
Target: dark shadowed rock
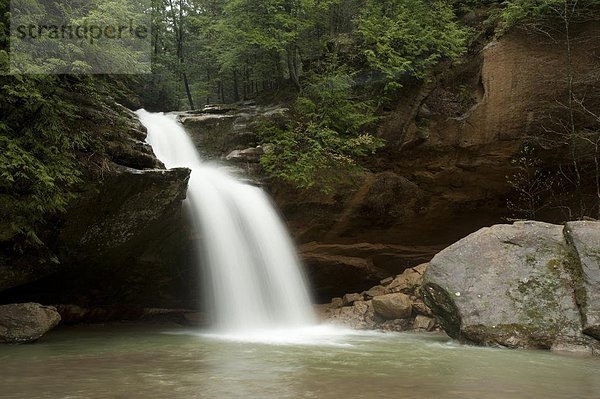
337,302
393,306
507,285
121,209
26,322
584,238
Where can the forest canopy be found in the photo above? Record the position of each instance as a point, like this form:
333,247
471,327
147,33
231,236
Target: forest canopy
335,63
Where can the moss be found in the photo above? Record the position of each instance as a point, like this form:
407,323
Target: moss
575,270
443,307
509,335
554,265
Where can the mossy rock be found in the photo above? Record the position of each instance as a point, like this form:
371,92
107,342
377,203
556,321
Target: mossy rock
507,285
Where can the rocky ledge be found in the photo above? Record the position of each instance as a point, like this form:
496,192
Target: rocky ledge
526,285
393,305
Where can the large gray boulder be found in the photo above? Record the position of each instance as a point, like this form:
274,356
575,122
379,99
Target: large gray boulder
584,238
508,285
26,322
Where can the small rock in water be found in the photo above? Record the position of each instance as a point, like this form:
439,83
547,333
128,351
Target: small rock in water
26,322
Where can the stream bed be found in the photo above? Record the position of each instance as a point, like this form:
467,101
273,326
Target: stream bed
140,361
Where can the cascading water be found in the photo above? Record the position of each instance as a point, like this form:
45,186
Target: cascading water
256,282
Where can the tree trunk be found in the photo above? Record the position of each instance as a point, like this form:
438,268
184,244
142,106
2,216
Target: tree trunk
236,94
208,85
292,68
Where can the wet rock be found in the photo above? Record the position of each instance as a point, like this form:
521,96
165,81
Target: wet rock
247,155
584,238
393,306
26,322
359,316
423,323
349,299
397,325
219,130
122,209
419,307
507,285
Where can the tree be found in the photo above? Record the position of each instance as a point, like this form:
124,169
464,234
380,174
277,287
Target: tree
409,37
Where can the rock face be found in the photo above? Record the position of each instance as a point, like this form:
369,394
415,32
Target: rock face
228,131
584,238
26,322
443,172
122,240
511,286
335,269
121,209
381,308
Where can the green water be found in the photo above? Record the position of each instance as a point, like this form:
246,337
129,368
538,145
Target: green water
130,362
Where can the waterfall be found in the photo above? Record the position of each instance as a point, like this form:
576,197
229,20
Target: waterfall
256,281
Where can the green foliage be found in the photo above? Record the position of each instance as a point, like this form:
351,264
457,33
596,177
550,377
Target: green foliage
325,136
48,54
37,147
533,11
408,37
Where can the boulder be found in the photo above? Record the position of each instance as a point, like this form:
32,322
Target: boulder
349,299
584,238
419,307
386,281
26,322
423,323
248,155
375,291
507,285
393,306
407,282
337,302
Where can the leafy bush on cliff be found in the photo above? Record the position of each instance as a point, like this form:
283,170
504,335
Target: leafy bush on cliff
325,135
409,37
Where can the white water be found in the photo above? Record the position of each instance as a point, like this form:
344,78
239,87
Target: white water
256,283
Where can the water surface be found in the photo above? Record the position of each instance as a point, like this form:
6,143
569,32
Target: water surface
131,362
